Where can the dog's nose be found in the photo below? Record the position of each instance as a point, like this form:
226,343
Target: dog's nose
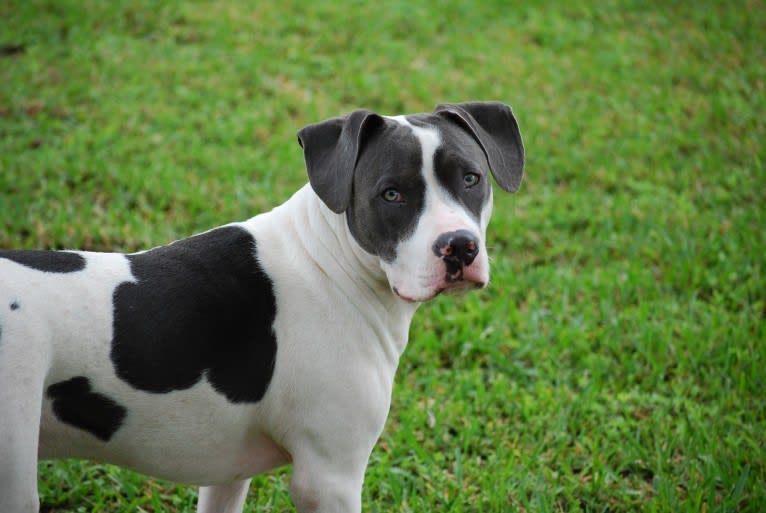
457,248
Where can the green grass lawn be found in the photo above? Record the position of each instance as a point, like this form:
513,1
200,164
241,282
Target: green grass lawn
616,363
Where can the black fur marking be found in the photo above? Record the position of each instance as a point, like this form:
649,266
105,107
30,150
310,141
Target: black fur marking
392,158
47,261
14,305
452,161
200,306
457,155
74,403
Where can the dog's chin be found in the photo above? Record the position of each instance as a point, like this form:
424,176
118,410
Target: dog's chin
416,296
450,289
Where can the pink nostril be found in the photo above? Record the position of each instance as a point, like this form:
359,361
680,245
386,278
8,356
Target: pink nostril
471,246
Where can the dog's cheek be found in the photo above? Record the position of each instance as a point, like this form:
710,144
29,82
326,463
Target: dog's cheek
382,229
415,271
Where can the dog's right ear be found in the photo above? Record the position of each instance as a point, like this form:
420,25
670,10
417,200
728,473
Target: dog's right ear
331,149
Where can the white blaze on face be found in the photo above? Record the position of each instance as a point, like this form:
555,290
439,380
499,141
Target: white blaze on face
417,274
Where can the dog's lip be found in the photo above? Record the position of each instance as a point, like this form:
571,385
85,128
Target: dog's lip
464,286
454,288
409,299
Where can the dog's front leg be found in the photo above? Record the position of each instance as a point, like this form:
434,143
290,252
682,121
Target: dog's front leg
327,483
226,498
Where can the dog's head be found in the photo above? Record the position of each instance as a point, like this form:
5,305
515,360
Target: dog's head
415,189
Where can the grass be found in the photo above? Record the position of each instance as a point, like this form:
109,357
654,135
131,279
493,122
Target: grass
615,364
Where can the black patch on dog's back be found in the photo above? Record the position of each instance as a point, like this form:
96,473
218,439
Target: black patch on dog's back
74,403
46,261
201,305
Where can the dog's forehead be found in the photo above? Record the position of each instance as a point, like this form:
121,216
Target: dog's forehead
427,133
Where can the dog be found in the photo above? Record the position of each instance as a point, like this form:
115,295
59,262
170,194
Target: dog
258,343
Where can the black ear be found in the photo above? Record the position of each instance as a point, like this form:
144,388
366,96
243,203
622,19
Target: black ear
494,127
331,149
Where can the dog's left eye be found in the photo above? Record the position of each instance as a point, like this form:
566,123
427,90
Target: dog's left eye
471,179
392,196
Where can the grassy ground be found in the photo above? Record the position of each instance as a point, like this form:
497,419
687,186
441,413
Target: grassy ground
616,363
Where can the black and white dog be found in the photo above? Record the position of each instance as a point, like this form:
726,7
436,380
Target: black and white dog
260,343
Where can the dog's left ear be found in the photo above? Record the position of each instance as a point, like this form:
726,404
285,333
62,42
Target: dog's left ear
494,127
331,149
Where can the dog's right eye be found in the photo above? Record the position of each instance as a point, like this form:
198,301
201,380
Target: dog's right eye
470,179
392,196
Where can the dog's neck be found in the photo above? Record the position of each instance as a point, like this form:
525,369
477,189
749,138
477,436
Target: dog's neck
357,275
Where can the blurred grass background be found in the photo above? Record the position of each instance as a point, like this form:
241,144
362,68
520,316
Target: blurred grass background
616,362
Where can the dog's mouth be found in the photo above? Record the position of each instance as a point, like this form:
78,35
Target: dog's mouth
436,277
413,299
454,277
452,288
